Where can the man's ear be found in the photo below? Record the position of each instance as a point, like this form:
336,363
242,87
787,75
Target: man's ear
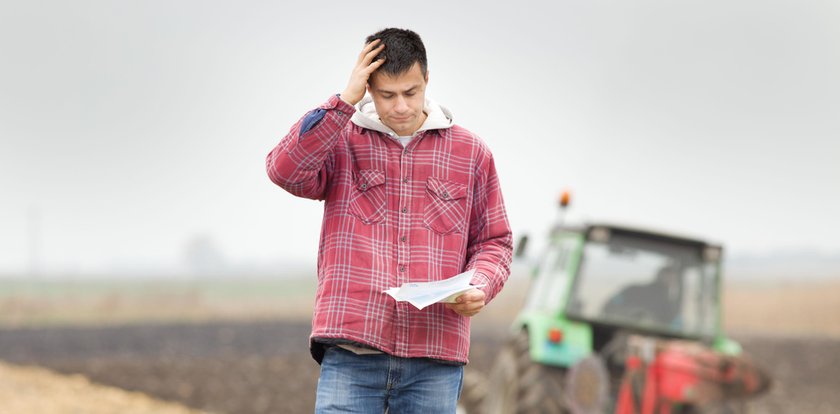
427,76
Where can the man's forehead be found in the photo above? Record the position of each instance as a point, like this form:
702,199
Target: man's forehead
396,87
398,83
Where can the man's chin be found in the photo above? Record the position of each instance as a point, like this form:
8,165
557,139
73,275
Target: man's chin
402,128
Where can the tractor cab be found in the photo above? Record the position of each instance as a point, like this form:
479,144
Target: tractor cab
613,277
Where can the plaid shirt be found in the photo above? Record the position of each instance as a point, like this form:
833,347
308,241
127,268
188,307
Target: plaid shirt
392,215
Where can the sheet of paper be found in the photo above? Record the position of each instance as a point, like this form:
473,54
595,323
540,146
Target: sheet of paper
422,294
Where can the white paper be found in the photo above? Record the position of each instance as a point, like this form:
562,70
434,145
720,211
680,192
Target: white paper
422,294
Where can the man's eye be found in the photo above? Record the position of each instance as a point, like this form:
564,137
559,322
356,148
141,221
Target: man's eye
410,94
387,96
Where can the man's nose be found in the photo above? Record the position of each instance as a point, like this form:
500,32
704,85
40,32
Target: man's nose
402,105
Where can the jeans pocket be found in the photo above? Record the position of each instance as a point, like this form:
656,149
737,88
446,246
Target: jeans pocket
368,200
446,205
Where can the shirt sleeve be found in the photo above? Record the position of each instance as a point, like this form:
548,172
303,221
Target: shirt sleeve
301,162
490,248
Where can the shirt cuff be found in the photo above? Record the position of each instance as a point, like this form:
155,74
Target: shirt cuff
335,102
479,279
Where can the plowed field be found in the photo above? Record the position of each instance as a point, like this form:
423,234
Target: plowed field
264,367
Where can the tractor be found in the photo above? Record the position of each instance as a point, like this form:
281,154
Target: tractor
622,320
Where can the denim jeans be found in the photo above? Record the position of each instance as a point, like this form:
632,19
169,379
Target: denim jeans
380,383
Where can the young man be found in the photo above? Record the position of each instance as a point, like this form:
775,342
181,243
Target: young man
408,197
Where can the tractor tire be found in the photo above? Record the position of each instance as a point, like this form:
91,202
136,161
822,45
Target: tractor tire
518,385
473,392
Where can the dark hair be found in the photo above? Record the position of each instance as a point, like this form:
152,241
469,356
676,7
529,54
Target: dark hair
402,48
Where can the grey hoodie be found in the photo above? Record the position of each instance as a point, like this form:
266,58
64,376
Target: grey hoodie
437,117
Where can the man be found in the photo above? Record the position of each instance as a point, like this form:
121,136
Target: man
408,196
658,301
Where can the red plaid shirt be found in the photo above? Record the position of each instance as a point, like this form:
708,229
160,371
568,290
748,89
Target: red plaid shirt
392,215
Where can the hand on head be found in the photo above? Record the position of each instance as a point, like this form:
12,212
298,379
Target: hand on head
365,66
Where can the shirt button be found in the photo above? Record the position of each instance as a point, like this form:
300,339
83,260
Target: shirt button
405,180
405,209
402,239
445,195
340,113
402,268
364,186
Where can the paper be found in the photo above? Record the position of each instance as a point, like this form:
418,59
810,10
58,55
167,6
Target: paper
422,294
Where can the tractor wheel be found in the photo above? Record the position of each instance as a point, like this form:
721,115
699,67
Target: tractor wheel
473,392
519,385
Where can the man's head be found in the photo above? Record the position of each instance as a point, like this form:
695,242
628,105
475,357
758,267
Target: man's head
403,48
669,276
398,87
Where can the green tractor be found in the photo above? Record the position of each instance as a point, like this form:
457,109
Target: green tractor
622,320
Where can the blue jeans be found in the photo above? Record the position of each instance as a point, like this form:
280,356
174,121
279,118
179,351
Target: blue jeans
365,384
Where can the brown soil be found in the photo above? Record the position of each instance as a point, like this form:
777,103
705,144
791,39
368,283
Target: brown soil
264,367
37,390
784,308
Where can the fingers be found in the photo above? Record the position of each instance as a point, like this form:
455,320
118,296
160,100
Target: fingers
366,62
472,295
369,52
368,47
469,303
468,309
376,64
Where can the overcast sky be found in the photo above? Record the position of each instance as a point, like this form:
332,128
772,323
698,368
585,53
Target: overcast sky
130,128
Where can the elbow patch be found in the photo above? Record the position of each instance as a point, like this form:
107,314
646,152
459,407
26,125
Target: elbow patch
311,119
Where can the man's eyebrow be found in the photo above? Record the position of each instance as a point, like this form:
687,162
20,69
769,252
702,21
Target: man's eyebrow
411,89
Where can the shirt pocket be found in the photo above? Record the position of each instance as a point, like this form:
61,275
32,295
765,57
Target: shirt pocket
369,199
446,205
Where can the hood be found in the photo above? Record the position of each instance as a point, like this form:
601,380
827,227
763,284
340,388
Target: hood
437,117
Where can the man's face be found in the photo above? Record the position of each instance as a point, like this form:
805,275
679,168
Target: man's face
400,99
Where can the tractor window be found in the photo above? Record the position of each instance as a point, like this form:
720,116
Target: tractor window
550,285
705,294
698,291
650,284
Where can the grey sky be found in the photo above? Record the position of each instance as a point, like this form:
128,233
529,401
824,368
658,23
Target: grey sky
132,127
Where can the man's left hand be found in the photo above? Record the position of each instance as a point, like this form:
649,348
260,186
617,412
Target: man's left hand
469,303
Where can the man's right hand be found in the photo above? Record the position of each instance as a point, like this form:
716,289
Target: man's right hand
365,65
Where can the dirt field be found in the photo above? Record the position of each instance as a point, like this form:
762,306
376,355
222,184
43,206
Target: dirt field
784,308
263,366
36,390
